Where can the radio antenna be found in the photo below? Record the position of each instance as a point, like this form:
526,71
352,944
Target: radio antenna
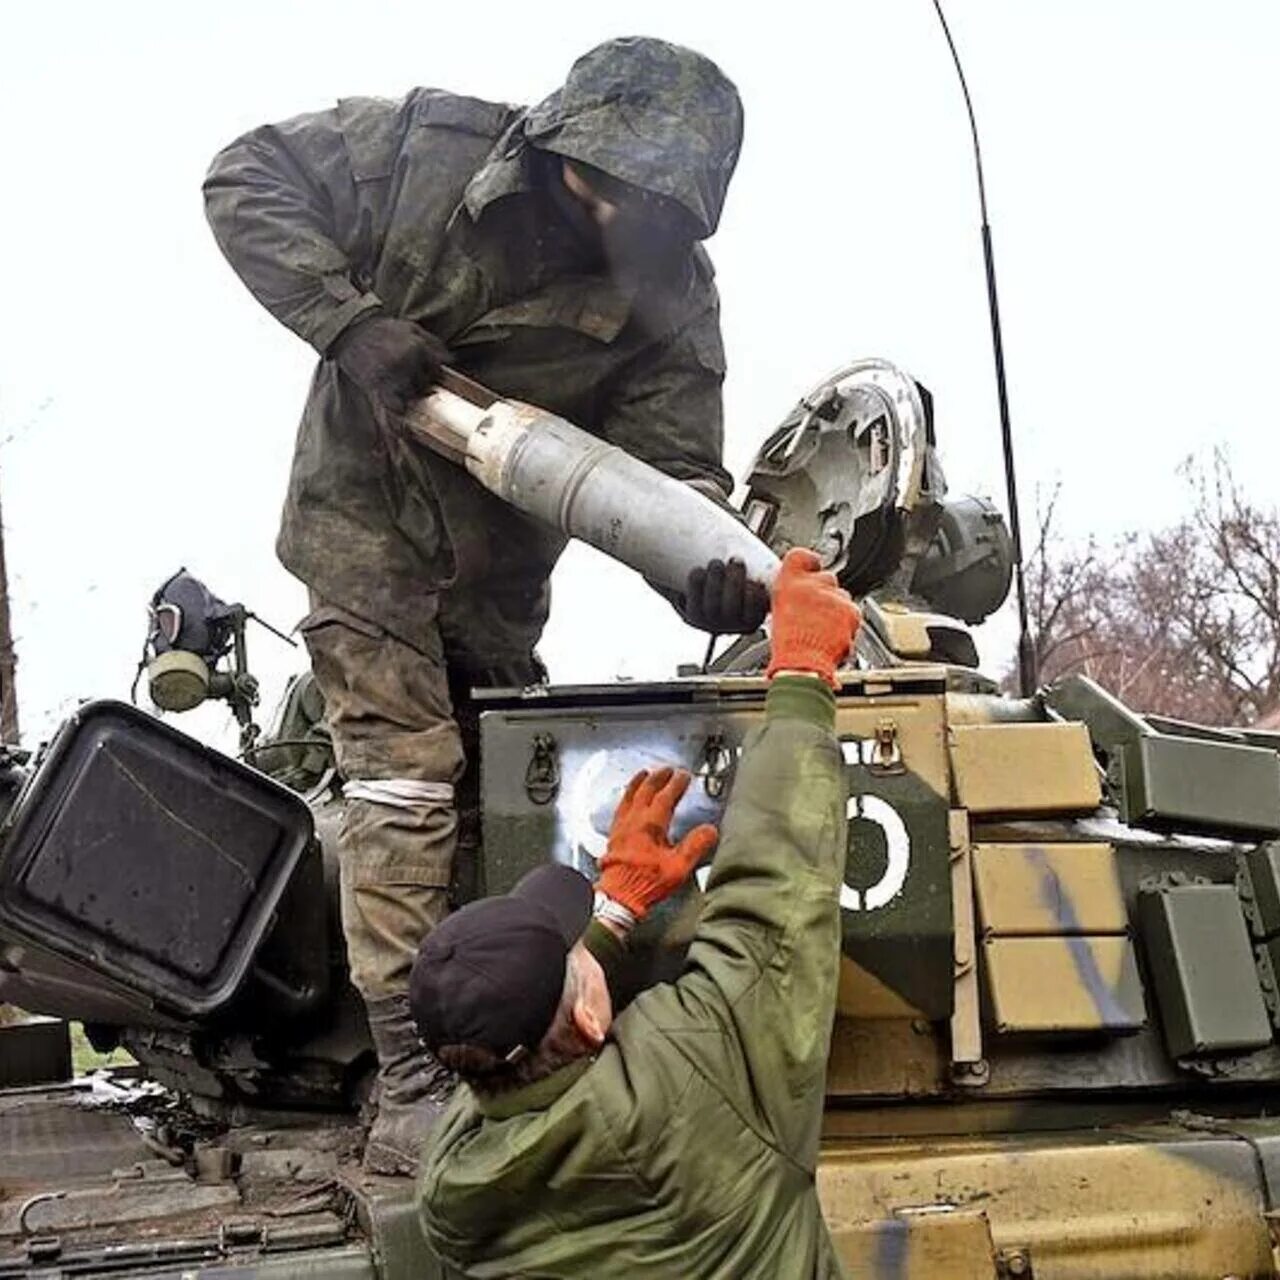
8,660
1028,677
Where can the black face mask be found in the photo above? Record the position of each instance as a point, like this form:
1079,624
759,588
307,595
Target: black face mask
648,242
644,249
574,213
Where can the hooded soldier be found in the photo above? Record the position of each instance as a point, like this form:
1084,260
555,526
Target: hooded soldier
554,255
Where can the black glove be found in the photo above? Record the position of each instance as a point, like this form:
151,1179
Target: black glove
721,598
393,361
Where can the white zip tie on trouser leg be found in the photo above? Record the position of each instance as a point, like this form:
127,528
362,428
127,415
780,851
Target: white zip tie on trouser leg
401,793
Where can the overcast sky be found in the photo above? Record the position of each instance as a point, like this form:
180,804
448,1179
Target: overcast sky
148,405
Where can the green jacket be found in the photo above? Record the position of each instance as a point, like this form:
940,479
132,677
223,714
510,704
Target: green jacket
687,1147
430,208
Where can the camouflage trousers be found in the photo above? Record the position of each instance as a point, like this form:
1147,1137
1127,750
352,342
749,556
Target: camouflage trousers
405,735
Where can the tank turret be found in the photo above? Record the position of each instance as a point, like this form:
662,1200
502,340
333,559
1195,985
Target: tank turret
853,472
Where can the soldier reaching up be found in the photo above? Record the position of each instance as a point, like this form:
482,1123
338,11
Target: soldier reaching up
681,1138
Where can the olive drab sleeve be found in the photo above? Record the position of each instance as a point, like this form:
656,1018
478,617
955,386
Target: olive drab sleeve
764,963
668,410
284,206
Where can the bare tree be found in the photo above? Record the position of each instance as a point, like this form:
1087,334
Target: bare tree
1184,622
1061,582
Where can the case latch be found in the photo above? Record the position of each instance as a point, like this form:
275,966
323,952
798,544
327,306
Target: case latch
542,777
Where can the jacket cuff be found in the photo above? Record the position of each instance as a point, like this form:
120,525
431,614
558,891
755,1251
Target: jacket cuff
341,318
609,950
806,698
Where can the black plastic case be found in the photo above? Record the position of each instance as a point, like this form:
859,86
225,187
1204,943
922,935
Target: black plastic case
143,862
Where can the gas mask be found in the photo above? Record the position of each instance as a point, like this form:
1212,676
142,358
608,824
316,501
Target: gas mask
196,651
191,631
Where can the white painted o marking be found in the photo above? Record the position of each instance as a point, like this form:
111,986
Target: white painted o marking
898,845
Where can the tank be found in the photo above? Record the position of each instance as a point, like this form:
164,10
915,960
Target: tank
1055,1050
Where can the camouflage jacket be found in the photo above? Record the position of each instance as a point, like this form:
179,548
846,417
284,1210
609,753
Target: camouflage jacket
428,209
688,1146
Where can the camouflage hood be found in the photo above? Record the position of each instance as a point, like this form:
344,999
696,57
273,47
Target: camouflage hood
652,114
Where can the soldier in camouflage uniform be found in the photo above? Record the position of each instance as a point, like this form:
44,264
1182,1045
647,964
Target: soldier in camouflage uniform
551,253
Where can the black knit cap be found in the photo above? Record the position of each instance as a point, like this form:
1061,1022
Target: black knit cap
491,975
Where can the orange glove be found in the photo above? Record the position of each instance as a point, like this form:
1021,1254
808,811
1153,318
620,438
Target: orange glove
814,618
641,867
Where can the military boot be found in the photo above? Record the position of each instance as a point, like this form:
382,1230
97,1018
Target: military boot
412,1090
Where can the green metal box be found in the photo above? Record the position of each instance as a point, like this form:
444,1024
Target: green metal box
1200,785
1202,968
555,763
